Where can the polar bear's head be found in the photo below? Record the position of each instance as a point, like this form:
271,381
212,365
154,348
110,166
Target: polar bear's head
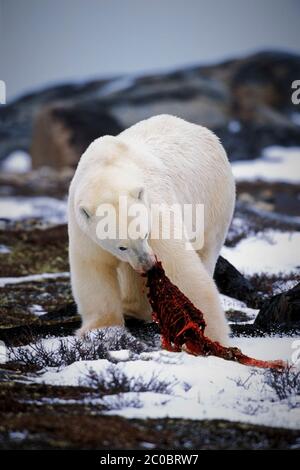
112,208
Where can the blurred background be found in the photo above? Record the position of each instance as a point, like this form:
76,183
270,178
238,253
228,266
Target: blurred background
44,42
94,67
75,70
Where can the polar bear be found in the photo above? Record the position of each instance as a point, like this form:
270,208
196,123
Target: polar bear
163,159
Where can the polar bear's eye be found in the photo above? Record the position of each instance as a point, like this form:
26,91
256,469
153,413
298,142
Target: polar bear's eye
122,248
85,212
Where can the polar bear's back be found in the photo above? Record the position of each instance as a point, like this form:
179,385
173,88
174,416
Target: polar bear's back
195,162
178,144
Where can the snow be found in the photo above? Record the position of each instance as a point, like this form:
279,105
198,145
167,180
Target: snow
117,85
72,374
37,310
295,118
234,127
3,353
280,286
32,278
276,164
228,303
148,445
269,251
4,250
18,435
46,208
17,162
201,388
121,355
267,348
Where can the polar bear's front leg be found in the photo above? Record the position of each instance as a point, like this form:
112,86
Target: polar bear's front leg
97,294
134,293
186,271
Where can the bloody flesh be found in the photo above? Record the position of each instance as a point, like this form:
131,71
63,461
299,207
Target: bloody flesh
182,325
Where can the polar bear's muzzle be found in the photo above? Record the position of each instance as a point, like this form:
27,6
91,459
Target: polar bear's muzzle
146,263
142,262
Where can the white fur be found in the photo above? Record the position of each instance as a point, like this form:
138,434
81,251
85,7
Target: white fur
173,161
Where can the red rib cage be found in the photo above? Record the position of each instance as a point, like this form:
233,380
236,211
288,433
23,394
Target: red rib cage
182,325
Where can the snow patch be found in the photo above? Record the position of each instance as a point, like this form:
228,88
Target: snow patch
229,303
46,208
33,278
117,85
37,310
282,286
295,118
121,355
3,353
17,162
271,251
4,250
234,127
276,164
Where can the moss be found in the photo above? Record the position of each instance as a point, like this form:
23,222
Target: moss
34,251
16,301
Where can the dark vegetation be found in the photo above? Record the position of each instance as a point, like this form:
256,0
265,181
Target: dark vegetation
37,356
286,384
115,381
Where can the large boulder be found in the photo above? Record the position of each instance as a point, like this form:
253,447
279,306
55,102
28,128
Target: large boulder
62,132
232,283
246,101
282,310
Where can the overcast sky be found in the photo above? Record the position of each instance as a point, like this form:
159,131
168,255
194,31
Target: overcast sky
47,41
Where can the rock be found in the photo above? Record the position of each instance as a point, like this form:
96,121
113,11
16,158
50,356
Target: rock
251,216
282,310
261,86
16,118
61,133
44,181
232,283
190,96
248,142
246,101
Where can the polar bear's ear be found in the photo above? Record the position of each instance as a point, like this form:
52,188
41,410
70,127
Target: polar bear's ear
138,193
85,211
